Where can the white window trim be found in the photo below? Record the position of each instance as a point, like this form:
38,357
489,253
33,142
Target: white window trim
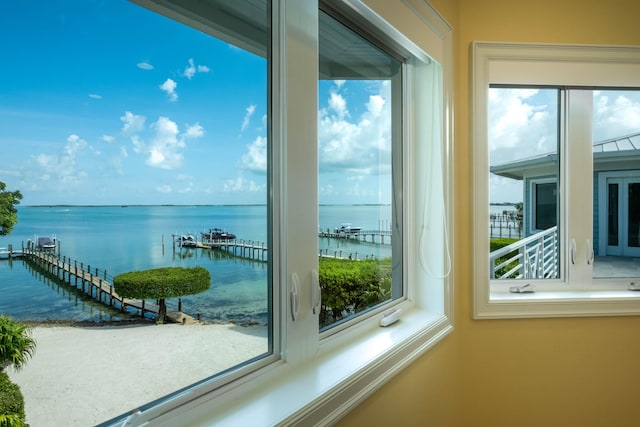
552,65
317,382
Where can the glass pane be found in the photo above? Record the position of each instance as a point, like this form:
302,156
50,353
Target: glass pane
633,218
616,213
360,212
137,143
546,205
613,215
523,180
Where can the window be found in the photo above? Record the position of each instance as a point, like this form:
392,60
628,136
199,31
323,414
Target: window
357,145
307,64
558,148
545,205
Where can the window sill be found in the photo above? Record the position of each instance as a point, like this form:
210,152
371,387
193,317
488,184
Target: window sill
345,371
554,303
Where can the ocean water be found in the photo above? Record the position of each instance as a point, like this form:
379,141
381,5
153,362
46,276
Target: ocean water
120,239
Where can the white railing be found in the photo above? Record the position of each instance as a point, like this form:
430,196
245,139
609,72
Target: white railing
535,257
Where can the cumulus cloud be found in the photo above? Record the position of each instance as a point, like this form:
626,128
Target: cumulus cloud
132,123
144,66
107,138
191,69
255,159
247,117
241,184
522,123
63,167
165,144
169,87
615,113
359,145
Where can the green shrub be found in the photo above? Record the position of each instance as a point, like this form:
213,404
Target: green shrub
161,283
350,286
494,245
11,403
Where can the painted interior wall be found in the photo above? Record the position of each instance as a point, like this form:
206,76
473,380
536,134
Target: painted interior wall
530,372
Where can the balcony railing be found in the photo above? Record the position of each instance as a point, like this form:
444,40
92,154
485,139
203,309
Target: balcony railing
534,257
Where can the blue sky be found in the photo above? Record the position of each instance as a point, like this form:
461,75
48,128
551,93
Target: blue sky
104,102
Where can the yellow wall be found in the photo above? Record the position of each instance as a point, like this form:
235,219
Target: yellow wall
532,372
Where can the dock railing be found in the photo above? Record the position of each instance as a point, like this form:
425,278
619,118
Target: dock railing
534,257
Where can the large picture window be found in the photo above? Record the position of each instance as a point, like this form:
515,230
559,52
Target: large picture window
298,153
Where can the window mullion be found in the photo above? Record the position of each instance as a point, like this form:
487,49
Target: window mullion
578,193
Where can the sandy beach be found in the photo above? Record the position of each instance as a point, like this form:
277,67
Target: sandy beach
82,376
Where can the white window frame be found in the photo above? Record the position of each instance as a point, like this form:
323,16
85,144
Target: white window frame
316,380
576,293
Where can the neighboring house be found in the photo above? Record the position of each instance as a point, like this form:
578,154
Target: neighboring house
616,194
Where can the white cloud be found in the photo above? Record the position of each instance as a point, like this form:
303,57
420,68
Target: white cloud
107,138
132,123
615,114
522,123
165,145
191,69
169,87
63,167
255,159
95,96
247,117
163,188
360,145
144,66
240,184
194,131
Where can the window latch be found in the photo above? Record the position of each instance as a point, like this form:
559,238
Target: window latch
524,289
633,286
293,296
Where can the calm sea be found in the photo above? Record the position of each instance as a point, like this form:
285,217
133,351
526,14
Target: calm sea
120,239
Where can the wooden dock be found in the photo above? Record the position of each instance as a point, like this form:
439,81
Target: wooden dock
380,237
9,253
258,251
248,249
95,283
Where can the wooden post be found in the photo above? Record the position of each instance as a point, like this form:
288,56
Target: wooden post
10,251
179,304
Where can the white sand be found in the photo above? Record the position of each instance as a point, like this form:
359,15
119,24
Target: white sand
85,376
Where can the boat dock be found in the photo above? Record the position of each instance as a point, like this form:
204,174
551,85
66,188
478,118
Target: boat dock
9,253
94,282
381,237
258,251
248,249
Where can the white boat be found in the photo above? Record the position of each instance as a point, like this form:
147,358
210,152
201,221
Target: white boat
347,229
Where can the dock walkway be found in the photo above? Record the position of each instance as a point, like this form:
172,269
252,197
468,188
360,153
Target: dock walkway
98,286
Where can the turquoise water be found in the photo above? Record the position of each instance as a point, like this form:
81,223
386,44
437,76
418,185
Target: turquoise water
120,239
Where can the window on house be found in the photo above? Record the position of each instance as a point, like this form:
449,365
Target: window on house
576,169
545,205
222,110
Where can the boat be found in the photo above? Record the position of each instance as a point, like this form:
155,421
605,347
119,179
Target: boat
217,234
347,229
187,240
46,244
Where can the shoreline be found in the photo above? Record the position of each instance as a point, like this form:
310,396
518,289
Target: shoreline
86,375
